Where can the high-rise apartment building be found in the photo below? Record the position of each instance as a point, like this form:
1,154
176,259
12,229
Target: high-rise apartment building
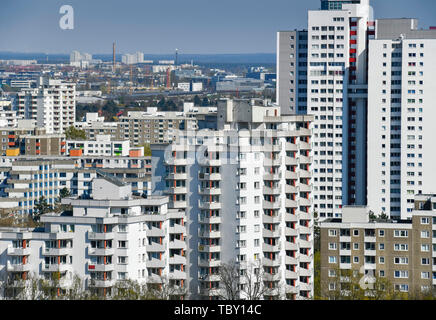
291,92
52,104
336,96
245,190
401,116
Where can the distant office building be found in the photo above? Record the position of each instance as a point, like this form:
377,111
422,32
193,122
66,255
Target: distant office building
135,58
239,84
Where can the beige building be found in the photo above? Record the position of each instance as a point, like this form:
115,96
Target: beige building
399,251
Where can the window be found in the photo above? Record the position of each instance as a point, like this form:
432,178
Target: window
355,246
333,246
356,259
381,246
425,275
401,233
401,247
332,232
401,260
425,220
332,259
425,234
381,260
425,261
401,274
332,273
356,233
425,247
381,233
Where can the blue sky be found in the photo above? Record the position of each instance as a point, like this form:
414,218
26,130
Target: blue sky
160,26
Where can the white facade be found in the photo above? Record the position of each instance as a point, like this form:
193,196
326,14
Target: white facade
102,241
252,206
337,64
101,146
401,117
52,104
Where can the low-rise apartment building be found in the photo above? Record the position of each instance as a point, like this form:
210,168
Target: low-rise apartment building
400,252
110,237
23,179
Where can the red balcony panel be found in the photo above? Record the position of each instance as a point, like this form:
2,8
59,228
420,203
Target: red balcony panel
353,50
371,32
11,144
353,33
352,59
353,23
11,136
353,41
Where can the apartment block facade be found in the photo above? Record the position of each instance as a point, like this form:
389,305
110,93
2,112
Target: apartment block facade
25,179
400,116
336,96
399,251
291,92
247,201
52,104
111,237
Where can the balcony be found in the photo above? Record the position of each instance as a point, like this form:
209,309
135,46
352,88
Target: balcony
207,248
177,274
273,190
271,263
209,176
18,267
56,251
179,204
271,233
176,176
176,190
370,239
101,267
291,203
209,191
291,175
369,266
208,263
101,251
63,267
291,161
177,259
100,235
345,265
345,252
272,162
102,283
272,176
369,252
177,244
271,205
155,247
209,205
271,219
155,263
209,234
291,146
344,239
208,220
271,248
155,232
18,251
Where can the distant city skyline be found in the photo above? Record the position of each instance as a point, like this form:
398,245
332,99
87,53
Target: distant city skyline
192,26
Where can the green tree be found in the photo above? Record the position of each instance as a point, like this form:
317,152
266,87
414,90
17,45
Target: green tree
75,134
41,207
197,100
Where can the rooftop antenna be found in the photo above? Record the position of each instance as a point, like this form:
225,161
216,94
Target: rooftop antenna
176,56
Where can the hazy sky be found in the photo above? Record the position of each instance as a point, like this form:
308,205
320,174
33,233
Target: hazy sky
160,26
